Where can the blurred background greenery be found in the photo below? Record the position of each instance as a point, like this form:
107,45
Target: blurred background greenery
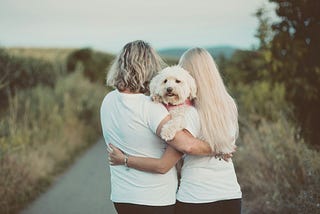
50,99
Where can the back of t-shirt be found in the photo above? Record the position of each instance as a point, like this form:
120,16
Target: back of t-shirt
130,121
205,179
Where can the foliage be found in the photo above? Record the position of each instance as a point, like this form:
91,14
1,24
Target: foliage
277,90
278,173
54,55
93,63
23,73
261,101
245,66
295,60
41,132
171,61
264,32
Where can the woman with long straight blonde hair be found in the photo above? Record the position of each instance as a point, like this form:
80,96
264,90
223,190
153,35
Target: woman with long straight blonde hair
207,184
217,110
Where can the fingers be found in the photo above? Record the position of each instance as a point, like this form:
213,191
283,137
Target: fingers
115,155
234,148
109,148
110,161
110,153
226,157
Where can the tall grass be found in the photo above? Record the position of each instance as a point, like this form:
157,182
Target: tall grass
41,133
46,125
48,54
277,170
278,173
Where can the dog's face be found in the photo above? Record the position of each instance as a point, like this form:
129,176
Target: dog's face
173,85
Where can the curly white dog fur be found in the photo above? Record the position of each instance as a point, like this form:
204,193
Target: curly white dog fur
175,88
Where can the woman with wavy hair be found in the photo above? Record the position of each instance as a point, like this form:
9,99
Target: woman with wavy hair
207,184
131,121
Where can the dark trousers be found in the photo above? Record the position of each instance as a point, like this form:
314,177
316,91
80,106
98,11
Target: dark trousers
124,208
218,207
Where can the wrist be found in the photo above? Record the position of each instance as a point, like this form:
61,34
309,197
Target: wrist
126,160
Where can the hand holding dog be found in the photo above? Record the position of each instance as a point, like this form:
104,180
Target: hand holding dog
225,156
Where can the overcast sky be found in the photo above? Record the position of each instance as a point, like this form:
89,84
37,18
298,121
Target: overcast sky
108,25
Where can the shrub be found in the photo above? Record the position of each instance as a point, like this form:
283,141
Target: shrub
94,63
23,73
42,132
261,100
278,173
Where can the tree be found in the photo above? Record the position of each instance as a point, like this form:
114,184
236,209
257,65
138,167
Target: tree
295,50
264,31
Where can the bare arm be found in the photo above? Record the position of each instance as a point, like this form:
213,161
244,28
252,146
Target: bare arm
186,143
156,165
183,142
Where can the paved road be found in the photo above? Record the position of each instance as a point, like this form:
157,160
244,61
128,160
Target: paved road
84,189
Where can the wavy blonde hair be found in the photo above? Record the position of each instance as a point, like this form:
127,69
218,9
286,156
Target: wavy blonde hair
217,110
134,67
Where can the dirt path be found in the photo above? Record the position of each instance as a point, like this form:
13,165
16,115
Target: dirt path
84,189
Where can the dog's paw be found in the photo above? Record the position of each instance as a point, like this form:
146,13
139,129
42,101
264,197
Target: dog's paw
168,131
167,134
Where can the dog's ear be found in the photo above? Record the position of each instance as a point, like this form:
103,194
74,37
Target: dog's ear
154,85
192,86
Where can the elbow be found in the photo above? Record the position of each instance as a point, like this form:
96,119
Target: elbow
162,169
188,149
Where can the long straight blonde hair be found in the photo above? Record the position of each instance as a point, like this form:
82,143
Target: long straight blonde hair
217,109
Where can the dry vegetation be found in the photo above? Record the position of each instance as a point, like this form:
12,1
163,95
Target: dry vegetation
49,54
277,172
44,127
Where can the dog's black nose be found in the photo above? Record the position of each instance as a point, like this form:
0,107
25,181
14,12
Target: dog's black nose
169,89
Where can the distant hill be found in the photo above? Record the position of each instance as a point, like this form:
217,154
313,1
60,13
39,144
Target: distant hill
215,51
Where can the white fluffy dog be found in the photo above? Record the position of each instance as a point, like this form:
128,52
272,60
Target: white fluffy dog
175,88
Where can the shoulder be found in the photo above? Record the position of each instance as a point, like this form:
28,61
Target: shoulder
154,113
153,105
192,121
108,96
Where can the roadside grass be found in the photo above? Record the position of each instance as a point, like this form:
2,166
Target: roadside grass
277,171
46,126
42,131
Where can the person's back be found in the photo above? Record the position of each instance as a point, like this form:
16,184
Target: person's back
130,122
206,180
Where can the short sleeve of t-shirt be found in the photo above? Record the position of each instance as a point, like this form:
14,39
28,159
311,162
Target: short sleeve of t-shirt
192,122
157,112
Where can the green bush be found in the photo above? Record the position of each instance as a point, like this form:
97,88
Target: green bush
41,132
93,63
23,73
277,171
261,100
171,61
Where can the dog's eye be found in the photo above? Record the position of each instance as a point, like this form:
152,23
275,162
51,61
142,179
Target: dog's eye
165,81
178,81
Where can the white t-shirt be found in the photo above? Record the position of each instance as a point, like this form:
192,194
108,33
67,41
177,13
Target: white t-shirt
205,179
130,121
